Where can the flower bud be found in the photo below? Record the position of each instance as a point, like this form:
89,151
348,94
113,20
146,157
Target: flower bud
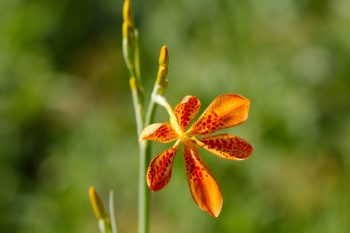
127,16
164,56
162,82
97,205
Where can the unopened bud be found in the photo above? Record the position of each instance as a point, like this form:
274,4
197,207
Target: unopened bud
127,17
164,56
162,82
97,205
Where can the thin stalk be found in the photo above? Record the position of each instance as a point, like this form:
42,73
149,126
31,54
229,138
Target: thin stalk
137,99
144,158
144,155
145,146
111,212
144,151
132,60
144,193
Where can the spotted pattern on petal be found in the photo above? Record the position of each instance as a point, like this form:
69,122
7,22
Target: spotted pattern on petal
159,170
160,132
225,111
204,188
227,146
186,110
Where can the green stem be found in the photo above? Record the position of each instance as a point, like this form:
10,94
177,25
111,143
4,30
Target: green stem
105,226
142,120
144,155
132,60
144,147
144,193
111,212
137,99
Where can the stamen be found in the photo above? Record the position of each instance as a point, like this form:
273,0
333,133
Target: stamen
161,100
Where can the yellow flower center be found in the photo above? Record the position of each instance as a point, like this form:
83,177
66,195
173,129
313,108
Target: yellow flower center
181,135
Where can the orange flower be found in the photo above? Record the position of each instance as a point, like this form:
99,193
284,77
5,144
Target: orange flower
225,111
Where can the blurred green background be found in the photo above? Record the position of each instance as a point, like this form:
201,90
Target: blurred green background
67,122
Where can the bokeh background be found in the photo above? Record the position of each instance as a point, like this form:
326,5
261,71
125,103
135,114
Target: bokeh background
67,122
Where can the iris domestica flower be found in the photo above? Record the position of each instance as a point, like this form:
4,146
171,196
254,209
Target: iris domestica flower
225,111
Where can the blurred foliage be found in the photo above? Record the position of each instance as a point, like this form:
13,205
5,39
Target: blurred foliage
66,117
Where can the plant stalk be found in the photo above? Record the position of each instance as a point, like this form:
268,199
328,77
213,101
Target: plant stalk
132,60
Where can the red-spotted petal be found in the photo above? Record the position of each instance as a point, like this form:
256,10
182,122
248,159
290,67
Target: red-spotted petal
186,110
160,132
227,146
204,188
225,111
159,169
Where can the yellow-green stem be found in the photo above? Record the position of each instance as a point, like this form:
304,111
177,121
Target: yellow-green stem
144,193
132,60
137,99
144,157
131,56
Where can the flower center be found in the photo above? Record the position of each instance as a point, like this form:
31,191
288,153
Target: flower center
175,125
173,120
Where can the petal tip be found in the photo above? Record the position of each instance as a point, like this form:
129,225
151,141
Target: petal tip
224,111
160,169
160,132
215,212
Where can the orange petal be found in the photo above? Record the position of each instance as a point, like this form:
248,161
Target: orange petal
159,169
186,110
160,132
227,146
204,188
225,111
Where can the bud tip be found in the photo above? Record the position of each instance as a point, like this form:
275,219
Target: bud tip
96,204
127,12
164,56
